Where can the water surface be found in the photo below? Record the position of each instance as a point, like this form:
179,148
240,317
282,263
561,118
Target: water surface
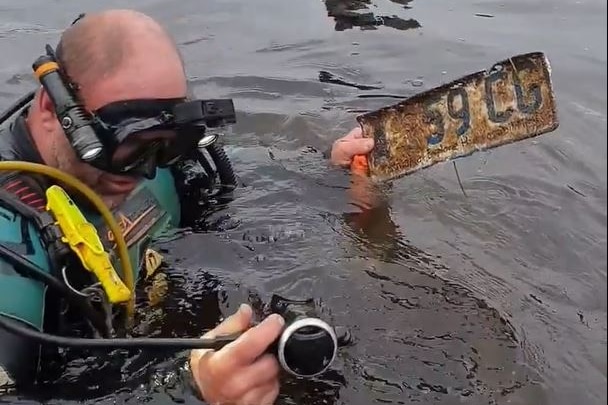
497,296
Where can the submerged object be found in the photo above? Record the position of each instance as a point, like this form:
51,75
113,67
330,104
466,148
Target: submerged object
511,101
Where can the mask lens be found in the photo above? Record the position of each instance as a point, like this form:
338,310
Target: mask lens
130,160
139,133
162,152
184,142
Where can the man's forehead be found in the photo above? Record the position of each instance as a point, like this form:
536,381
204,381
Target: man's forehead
156,82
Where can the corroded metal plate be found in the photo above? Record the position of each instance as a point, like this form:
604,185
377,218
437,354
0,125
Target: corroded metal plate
509,102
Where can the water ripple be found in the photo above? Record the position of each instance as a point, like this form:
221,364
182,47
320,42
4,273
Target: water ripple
495,297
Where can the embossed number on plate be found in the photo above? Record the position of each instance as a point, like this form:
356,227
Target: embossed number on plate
511,101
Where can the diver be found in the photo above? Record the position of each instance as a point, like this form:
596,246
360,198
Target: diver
138,142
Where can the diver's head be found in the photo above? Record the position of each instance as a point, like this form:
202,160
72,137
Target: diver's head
110,57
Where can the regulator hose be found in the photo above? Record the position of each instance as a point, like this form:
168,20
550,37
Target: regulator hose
116,343
16,106
302,351
58,175
29,269
224,167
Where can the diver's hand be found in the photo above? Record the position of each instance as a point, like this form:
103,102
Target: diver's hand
344,149
240,373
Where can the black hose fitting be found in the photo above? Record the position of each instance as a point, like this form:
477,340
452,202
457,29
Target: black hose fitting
308,345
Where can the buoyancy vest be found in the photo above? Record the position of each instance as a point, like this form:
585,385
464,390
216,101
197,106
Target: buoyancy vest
153,207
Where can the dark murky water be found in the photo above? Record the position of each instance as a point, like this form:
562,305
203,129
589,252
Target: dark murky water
496,297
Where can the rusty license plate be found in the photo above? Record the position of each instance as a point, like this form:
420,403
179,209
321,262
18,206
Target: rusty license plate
511,101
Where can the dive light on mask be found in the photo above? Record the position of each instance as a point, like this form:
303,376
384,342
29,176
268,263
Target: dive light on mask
74,120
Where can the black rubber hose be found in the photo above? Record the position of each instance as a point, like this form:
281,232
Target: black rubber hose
136,343
116,343
17,105
224,167
29,269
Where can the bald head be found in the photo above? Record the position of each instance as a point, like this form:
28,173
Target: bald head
120,45
111,56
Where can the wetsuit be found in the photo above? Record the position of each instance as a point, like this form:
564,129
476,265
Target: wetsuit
150,209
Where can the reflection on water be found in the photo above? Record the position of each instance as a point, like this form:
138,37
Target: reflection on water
354,13
449,345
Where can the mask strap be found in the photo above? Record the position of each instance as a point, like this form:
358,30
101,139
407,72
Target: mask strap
136,126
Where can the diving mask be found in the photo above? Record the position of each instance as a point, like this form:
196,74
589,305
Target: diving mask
141,135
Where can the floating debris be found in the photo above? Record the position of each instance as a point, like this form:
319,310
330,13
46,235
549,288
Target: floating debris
575,190
484,15
158,289
327,77
417,83
535,298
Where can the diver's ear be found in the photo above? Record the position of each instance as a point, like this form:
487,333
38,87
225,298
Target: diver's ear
45,105
46,110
